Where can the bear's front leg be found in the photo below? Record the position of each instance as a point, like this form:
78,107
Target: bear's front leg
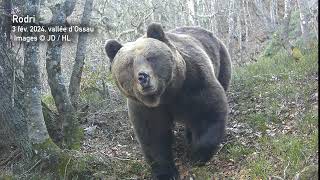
153,129
206,135
206,114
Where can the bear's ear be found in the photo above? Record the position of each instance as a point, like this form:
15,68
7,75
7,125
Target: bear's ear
155,31
112,47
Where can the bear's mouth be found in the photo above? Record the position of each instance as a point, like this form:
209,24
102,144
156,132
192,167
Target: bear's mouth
150,95
149,91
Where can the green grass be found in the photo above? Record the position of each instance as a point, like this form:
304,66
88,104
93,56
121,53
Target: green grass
258,121
237,151
279,90
259,168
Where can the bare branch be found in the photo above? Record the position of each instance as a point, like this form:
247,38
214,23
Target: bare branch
125,33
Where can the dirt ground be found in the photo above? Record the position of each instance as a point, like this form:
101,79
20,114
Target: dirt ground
110,134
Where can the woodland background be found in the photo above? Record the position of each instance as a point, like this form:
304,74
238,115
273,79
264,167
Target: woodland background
62,117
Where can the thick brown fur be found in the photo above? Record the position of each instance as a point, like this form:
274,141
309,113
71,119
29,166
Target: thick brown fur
179,75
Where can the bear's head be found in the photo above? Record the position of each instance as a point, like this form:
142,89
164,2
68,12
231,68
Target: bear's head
145,69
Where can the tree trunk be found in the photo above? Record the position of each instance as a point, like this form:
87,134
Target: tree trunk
50,119
231,26
13,125
151,5
192,11
36,127
262,13
246,25
313,5
285,24
5,22
273,13
248,12
68,120
74,87
50,154
239,31
213,20
304,20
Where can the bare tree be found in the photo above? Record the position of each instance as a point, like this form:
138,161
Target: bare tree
68,121
6,20
24,120
239,29
286,23
262,13
213,20
231,26
313,4
304,20
273,13
245,18
192,11
13,125
74,86
36,126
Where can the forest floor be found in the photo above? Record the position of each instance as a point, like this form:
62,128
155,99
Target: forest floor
272,131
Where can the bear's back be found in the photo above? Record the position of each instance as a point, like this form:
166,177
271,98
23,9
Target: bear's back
196,42
199,49
202,38
210,44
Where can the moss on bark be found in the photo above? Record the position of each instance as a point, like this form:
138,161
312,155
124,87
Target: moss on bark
72,133
69,164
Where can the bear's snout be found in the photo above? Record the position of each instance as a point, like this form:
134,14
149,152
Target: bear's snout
144,79
147,84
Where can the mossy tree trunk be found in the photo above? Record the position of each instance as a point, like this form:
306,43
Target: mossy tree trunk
12,123
68,119
23,122
50,118
61,163
37,130
74,87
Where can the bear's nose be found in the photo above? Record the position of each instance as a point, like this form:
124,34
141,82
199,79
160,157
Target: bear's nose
144,79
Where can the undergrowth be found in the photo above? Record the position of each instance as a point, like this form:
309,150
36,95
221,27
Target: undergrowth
279,97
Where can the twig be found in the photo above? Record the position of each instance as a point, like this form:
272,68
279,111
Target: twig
13,85
65,169
276,177
285,169
35,165
143,19
12,156
222,145
207,15
125,32
123,159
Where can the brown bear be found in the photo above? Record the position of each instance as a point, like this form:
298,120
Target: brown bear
179,75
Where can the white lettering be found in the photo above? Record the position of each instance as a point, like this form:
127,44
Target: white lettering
27,19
